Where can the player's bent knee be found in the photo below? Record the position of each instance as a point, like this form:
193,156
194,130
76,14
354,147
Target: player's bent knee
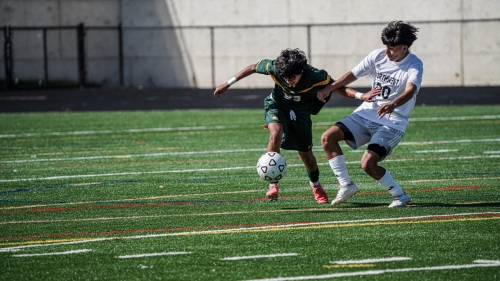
307,157
377,148
333,135
325,138
368,166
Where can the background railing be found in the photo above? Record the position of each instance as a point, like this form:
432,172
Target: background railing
455,53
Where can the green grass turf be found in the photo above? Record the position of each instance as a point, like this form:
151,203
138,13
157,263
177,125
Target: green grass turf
68,179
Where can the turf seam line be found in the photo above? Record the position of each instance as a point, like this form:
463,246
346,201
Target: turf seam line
216,152
232,168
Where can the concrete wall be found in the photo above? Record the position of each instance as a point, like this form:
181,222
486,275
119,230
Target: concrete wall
59,12
454,54
237,12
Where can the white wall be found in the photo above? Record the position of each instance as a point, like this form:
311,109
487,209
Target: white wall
249,12
453,54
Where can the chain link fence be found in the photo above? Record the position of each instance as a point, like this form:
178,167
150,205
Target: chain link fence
455,53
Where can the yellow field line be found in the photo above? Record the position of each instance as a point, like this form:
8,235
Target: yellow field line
400,221
49,241
326,226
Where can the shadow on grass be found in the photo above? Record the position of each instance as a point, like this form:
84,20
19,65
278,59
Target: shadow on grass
356,205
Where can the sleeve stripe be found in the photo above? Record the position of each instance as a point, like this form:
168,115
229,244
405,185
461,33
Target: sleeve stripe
278,83
257,65
322,83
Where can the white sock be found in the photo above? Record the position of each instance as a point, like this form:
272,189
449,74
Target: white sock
340,170
390,184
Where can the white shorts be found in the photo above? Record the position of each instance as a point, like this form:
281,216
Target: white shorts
365,131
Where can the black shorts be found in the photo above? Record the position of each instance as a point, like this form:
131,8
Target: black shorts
297,134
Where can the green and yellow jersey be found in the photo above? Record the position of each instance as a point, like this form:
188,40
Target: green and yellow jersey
301,98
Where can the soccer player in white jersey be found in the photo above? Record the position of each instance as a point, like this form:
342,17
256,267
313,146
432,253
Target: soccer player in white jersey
382,123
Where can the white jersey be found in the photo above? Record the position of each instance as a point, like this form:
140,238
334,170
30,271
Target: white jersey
392,77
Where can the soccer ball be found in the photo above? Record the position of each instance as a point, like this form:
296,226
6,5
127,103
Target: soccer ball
271,166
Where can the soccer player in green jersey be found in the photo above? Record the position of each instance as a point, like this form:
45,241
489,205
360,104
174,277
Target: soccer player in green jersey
288,109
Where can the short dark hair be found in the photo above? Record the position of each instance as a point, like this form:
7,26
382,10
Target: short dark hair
290,63
399,33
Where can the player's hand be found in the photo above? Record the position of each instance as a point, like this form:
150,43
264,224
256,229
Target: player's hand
370,96
221,89
324,93
384,109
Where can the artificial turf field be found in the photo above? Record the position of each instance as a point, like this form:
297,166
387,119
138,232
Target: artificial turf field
174,195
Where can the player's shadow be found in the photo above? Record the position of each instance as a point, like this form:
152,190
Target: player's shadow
365,205
359,205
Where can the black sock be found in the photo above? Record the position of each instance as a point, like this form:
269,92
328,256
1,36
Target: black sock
313,176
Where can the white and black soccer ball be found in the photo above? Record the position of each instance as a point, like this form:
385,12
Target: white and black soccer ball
271,166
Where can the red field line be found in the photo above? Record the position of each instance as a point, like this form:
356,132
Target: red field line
132,205
114,232
455,187
120,206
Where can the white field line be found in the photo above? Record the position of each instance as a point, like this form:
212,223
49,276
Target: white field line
80,133
166,216
428,119
215,193
448,141
436,151
134,155
153,255
204,128
129,156
243,229
259,257
371,260
486,261
457,118
491,152
231,168
194,215
137,199
53,254
382,271
19,248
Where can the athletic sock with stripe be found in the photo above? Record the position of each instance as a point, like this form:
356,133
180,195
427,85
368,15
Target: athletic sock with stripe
390,184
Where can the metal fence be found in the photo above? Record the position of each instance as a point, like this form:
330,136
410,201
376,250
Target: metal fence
455,53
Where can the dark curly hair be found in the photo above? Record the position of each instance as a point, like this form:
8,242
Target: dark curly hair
399,33
290,63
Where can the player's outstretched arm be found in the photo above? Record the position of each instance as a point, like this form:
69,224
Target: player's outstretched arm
370,95
222,88
343,81
351,93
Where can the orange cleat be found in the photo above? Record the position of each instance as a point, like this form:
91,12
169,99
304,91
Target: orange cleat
272,193
319,193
